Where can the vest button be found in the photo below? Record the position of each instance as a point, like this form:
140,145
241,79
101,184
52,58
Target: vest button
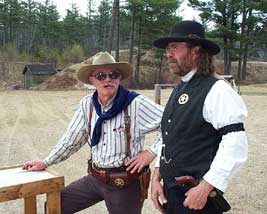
166,133
169,120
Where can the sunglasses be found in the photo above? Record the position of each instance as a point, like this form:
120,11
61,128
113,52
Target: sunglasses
102,76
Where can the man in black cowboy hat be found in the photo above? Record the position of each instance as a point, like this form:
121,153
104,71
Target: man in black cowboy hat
202,127
116,121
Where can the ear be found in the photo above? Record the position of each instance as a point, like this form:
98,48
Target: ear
195,51
91,79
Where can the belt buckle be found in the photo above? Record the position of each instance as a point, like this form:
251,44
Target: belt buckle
119,182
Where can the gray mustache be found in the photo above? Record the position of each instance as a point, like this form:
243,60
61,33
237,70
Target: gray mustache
108,85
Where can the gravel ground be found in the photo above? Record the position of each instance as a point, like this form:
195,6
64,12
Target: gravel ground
31,122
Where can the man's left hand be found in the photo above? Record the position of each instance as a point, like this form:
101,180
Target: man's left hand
138,162
196,197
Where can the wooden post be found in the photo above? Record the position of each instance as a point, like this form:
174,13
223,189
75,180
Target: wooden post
157,93
28,185
53,205
30,205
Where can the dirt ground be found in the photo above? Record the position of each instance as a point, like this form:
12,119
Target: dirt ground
31,122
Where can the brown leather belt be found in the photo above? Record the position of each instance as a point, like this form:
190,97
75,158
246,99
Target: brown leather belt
118,177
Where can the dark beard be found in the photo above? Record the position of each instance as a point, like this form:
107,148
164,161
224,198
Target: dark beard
180,70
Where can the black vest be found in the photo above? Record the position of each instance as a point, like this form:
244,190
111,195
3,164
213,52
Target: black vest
189,142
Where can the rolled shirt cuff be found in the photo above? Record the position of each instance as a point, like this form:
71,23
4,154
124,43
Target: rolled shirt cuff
216,181
47,162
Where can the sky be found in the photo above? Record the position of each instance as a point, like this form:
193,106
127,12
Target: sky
186,12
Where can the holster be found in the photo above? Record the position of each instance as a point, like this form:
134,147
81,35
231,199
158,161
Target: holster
144,179
122,179
118,177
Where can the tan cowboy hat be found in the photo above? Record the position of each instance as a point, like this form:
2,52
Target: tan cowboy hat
103,60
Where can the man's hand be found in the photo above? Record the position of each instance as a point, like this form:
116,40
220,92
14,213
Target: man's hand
138,162
157,194
34,165
196,197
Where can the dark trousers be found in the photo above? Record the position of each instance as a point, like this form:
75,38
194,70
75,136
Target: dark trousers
88,191
176,196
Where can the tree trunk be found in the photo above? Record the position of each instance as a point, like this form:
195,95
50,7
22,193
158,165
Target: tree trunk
245,55
159,79
226,52
244,68
132,36
226,58
112,27
117,30
240,57
138,53
241,45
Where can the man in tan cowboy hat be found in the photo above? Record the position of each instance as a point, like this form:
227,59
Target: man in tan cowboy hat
203,135
114,121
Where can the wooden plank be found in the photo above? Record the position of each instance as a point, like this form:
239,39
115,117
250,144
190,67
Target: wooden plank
53,203
157,93
11,167
158,87
30,205
31,189
17,176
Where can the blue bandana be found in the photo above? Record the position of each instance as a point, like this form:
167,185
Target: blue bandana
121,101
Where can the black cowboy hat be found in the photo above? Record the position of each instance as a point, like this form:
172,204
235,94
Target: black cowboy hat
188,31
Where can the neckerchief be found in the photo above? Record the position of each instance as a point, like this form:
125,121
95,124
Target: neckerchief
121,101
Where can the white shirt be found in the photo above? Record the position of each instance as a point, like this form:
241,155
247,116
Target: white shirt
222,107
111,149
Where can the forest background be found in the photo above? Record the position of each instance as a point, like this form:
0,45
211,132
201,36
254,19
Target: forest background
33,32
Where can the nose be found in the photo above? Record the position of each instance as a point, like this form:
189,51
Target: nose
169,54
108,79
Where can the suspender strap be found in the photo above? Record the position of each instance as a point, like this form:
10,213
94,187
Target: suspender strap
90,117
89,120
127,121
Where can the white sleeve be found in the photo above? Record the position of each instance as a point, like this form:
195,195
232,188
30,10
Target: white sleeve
157,149
222,107
148,120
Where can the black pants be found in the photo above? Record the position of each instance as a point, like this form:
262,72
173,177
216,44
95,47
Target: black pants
176,196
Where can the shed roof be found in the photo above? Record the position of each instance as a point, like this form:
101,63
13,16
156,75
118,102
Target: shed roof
39,69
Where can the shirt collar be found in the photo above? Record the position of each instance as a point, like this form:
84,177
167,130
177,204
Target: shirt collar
106,107
189,75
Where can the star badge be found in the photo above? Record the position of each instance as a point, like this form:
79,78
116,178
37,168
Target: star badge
119,182
183,99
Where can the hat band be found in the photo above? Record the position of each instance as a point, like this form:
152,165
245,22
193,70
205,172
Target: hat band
190,36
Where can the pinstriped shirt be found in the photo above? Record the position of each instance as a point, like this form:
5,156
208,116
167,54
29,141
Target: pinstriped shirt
145,117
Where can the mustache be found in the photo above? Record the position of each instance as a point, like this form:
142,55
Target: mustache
171,60
108,85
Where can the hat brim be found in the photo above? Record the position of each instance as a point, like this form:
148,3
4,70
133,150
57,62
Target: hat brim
206,44
85,71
